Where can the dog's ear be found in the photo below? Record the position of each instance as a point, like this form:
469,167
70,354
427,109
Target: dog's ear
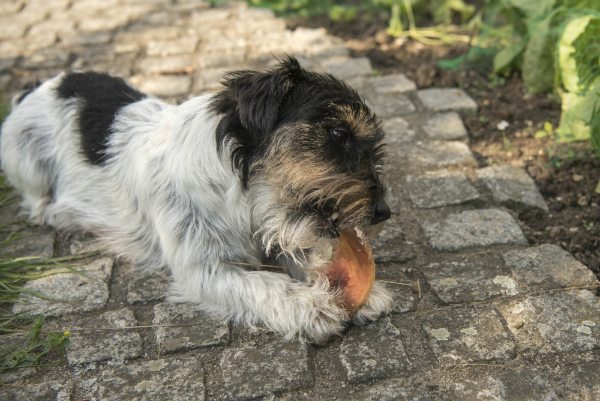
258,95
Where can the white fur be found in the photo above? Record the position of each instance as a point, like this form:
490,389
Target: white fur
166,197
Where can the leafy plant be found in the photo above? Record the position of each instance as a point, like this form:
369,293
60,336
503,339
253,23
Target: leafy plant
35,350
547,131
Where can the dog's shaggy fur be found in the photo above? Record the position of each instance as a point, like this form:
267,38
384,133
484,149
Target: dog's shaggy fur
268,171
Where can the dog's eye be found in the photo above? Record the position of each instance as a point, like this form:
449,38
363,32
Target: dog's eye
340,135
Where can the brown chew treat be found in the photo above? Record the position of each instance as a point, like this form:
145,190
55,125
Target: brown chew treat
352,269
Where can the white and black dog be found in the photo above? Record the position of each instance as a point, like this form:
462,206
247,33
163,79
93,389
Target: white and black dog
279,168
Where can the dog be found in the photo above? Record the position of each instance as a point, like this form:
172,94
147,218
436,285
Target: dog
280,168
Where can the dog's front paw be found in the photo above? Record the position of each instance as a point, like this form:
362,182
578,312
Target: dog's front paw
320,313
379,302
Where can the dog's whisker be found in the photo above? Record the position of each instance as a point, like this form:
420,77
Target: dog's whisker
302,268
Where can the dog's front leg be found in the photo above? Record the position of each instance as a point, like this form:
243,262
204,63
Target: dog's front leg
287,306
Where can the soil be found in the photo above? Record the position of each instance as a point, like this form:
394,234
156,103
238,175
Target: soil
566,174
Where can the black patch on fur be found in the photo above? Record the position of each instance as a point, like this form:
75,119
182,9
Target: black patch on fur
254,105
103,96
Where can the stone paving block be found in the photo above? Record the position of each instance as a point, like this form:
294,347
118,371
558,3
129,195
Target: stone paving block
510,385
207,329
512,185
404,299
390,246
166,85
448,99
87,39
584,377
391,390
165,48
73,293
209,78
397,131
460,282
12,29
156,380
349,68
441,188
10,342
473,228
47,59
99,345
59,390
546,267
435,155
227,60
387,106
34,242
374,351
146,286
555,322
468,335
256,372
154,64
446,127
393,83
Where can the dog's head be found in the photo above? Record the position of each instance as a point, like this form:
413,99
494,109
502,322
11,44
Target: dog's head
309,152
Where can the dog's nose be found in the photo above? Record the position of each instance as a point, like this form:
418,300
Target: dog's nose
381,212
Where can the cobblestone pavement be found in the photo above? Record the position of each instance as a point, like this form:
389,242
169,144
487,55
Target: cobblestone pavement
492,321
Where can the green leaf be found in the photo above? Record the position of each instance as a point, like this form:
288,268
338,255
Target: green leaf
31,357
541,134
548,127
578,53
538,59
507,57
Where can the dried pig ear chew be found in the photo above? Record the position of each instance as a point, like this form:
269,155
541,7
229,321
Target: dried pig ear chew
352,269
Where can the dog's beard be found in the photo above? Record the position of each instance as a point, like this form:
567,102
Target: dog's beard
299,244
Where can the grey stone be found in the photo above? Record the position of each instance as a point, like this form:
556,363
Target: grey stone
446,127
8,343
473,228
59,390
397,131
555,322
511,186
434,155
390,246
387,106
468,335
441,188
156,380
152,65
12,29
374,351
459,282
168,85
87,39
448,99
227,60
585,377
47,59
6,63
391,390
146,286
187,44
349,68
99,345
394,83
256,372
547,267
206,330
403,298
73,293
33,242
208,78
509,385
